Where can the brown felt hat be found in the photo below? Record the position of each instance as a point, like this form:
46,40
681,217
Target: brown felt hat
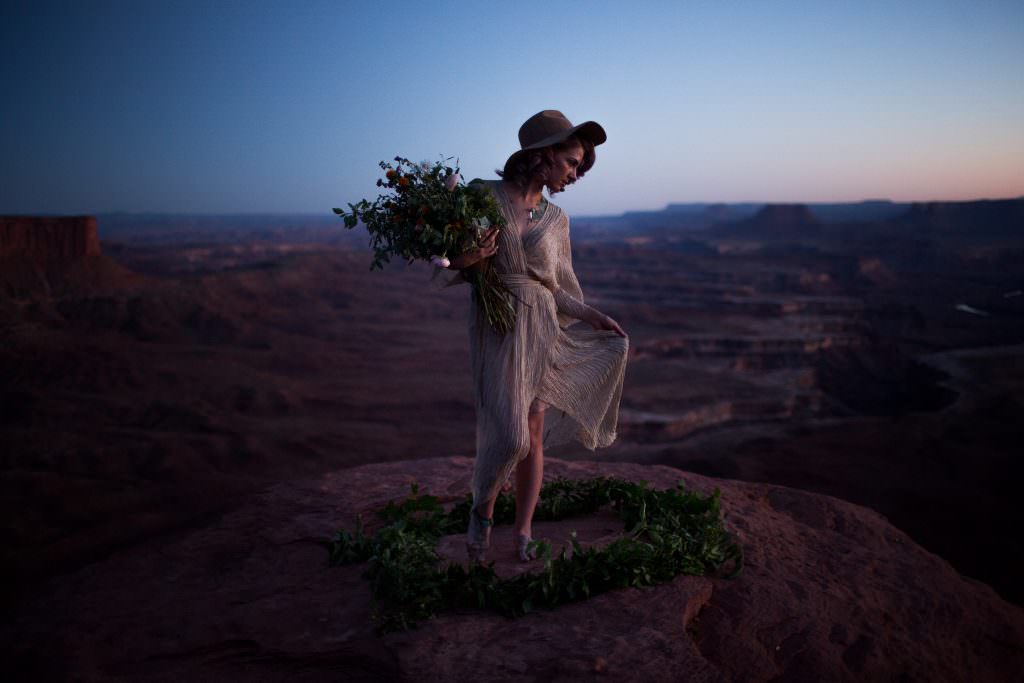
550,127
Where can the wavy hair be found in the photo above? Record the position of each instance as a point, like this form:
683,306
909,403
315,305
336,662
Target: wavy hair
523,168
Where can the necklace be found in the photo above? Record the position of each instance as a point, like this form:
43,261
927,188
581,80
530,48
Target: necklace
536,211
531,214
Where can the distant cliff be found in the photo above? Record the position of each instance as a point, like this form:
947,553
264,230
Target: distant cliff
985,218
794,221
49,238
50,255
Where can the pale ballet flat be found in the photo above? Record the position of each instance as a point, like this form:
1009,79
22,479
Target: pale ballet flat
478,536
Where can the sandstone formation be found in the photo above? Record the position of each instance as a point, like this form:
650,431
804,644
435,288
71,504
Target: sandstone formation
49,238
774,221
830,591
50,255
784,215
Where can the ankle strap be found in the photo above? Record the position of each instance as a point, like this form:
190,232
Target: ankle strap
484,521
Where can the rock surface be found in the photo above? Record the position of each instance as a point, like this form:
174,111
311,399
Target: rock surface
830,591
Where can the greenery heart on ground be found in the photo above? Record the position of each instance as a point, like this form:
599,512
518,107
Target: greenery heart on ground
666,533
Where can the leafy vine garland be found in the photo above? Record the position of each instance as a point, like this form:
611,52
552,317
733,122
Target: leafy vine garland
668,533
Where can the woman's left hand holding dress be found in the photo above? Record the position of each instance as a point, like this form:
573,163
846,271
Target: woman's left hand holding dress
600,321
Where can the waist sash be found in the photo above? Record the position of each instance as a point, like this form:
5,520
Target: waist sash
519,280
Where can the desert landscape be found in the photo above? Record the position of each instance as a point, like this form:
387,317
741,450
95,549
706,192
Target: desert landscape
160,375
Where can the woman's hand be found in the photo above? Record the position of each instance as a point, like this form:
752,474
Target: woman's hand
600,321
488,247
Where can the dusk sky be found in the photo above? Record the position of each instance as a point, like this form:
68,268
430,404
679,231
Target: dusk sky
221,106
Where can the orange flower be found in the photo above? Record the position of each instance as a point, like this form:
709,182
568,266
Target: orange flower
403,181
390,174
424,210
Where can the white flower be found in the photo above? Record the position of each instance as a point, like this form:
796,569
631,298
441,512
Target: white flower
440,261
452,181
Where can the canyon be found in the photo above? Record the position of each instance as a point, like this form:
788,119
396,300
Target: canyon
157,375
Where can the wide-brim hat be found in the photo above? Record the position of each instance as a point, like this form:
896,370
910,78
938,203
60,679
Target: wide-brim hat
549,127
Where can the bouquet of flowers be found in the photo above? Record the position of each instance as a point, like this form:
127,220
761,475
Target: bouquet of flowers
428,213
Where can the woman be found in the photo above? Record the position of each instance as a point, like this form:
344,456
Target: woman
543,383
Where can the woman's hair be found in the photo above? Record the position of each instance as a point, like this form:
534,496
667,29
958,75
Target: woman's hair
522,168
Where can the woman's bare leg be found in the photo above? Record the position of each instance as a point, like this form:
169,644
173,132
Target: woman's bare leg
486,509
530,475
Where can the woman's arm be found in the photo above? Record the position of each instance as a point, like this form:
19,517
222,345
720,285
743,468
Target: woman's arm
569,305
569,297
574,308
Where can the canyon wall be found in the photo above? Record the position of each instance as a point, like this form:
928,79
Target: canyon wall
46,256
49,238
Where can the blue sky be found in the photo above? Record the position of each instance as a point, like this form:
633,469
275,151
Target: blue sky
286,107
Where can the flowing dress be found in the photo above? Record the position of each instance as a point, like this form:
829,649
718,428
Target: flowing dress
578,371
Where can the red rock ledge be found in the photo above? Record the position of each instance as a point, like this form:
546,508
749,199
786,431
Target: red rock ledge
830,592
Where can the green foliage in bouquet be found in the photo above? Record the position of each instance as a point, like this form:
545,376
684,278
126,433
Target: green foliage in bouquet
667,533
428,213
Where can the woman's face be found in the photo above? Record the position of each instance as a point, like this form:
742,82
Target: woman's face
563,172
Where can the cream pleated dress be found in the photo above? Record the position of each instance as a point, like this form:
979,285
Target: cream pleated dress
577,370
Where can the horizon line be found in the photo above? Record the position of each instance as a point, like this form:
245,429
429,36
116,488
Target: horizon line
330,211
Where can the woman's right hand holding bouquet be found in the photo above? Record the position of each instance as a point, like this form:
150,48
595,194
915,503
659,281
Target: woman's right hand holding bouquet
473,258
